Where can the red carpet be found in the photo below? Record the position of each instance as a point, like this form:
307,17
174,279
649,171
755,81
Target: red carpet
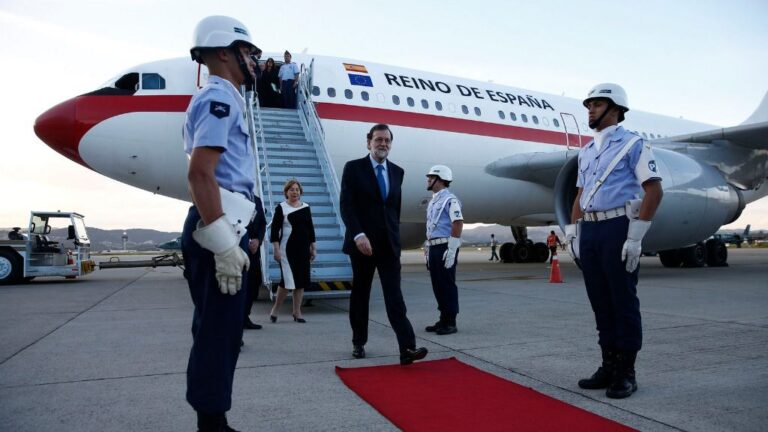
448,395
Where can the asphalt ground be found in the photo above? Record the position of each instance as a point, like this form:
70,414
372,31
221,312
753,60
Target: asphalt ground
109,351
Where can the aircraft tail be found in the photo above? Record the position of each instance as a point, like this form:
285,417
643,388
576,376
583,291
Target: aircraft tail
760,114
746,231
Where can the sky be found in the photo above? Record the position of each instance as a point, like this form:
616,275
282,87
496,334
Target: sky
700,60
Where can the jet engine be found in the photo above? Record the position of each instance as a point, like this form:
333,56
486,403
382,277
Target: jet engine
697,201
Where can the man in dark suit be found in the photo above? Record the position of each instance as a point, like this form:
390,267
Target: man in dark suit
256,230
370,208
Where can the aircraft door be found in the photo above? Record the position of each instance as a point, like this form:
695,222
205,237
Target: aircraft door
572,133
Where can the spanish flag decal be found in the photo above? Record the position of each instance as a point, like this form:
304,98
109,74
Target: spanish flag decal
355,68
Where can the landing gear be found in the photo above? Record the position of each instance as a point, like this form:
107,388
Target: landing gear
523,250
712,253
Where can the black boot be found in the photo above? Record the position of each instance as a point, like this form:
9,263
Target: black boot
448,327
623,382
213,423
440,323
602,377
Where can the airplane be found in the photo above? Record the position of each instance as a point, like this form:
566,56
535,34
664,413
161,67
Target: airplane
171,245
733,238
512,150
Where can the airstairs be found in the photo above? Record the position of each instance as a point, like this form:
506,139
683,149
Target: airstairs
291,144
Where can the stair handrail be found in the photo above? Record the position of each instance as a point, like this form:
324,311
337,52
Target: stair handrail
256,132
314,128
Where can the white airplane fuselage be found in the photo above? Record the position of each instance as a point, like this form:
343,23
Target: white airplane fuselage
435,119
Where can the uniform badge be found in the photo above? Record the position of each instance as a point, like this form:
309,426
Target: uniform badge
652,165
219,109
456,213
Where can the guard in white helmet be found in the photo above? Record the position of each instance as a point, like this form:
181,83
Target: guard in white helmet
444,225
608,223
221,171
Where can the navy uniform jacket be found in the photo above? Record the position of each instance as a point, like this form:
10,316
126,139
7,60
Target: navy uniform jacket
364,211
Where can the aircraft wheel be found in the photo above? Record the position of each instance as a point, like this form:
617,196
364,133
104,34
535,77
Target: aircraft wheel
694,256
10,267
522,252
670,258
506,253
541,252
717,253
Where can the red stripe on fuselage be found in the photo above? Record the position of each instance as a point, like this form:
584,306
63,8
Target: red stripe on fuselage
91,110
332,111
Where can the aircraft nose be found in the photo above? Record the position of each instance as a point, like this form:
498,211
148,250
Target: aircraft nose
57,127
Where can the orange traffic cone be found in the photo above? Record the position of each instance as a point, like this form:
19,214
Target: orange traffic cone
554,274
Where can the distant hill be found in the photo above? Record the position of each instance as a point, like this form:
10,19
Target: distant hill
138,238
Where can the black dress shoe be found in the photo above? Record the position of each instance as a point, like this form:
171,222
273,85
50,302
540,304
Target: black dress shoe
248,324
299,320
409,355
358,351
433,328
446,330
273,318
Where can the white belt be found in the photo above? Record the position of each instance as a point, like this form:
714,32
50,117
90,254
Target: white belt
436,241
604,215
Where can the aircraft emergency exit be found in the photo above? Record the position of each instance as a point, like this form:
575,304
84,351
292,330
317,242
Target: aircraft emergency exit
512,151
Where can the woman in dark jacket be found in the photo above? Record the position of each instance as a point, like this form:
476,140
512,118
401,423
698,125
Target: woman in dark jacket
268,85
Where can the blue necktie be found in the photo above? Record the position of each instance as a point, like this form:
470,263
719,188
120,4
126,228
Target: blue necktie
382,183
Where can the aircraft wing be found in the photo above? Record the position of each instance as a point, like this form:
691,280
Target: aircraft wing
752,136
537,167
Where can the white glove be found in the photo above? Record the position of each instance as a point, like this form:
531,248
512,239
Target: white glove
633,246
219,237
450,255
572,240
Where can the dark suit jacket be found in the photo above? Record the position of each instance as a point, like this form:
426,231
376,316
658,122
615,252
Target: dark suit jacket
258,226
364,211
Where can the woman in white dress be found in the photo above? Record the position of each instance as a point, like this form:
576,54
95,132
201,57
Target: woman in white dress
293,243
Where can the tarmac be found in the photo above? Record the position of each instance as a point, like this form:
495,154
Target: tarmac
108,352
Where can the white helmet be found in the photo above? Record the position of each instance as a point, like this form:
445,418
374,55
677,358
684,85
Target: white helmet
218,32
613,92
441,171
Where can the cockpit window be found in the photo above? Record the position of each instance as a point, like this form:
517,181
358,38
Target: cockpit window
129,81
152,81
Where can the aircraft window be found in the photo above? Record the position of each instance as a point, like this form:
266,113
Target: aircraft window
129,81
644,135
152,81
348,94
364,95
524,118
396,99
331,92
477,111
545,121
424,104
556,123
535,119
464,109
438,105
410,102
501,114
513,116
315,91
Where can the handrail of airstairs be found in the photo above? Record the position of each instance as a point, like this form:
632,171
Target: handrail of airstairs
256,131
314,128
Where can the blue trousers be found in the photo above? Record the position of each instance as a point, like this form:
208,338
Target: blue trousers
612,291
444,282
288,93
217,326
